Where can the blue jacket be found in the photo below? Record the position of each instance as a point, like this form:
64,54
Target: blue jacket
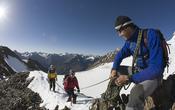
152,67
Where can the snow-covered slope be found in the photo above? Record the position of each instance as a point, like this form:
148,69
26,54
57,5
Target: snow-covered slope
16,64
86,78
52,99
171,68
40,85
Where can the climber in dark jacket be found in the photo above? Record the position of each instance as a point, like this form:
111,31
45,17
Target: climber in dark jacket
149,64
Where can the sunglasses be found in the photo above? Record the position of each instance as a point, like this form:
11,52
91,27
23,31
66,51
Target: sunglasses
122,27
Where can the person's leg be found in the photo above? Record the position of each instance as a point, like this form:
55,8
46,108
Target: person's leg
74,97
53,85
69,94
50,83
139,92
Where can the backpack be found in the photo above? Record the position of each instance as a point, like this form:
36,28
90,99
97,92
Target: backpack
65,77
164,95
164,44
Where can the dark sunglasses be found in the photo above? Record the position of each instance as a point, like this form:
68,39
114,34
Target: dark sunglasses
121,29
122,26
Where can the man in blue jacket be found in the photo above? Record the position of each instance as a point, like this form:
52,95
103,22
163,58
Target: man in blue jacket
149,64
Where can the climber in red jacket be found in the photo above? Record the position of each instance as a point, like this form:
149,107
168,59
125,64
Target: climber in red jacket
70,82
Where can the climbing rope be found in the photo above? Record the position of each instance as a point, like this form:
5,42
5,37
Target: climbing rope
60,86
94,84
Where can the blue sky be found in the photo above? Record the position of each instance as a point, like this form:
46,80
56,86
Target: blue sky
78,26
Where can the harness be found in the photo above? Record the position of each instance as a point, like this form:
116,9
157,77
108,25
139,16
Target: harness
139,39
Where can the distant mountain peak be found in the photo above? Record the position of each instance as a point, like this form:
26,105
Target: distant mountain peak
63,62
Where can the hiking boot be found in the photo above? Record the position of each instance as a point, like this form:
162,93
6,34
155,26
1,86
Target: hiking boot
69,99
53,89
74,99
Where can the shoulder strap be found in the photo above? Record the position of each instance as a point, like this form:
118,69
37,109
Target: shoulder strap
145,37
136,49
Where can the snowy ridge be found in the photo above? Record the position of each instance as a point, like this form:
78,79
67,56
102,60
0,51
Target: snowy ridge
40,85
171,58
52,99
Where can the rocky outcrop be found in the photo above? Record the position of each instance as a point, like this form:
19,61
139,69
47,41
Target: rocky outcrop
164,96
14,94
109,57
5,69
35,65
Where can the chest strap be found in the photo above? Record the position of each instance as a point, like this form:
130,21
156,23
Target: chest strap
139,39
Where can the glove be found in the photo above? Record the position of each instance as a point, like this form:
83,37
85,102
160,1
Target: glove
78,90
113,74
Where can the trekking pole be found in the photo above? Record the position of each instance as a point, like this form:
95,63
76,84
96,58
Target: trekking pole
94,84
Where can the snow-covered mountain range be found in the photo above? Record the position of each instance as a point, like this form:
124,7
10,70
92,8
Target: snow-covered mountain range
63,62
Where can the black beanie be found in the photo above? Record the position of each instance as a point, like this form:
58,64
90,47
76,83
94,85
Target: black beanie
120,20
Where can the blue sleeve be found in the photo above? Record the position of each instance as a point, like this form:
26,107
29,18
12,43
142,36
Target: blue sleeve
155,62
123,53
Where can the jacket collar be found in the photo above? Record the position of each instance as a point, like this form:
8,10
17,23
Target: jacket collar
134,36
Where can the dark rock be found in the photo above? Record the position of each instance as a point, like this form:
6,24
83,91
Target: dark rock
57,107
5,69
66,108
109,57
164,96
14,94
35,65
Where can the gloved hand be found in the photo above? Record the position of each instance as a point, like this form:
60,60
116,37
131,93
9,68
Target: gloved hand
122,80
78,90
113,74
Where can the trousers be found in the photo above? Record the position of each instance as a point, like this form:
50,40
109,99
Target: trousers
140,91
